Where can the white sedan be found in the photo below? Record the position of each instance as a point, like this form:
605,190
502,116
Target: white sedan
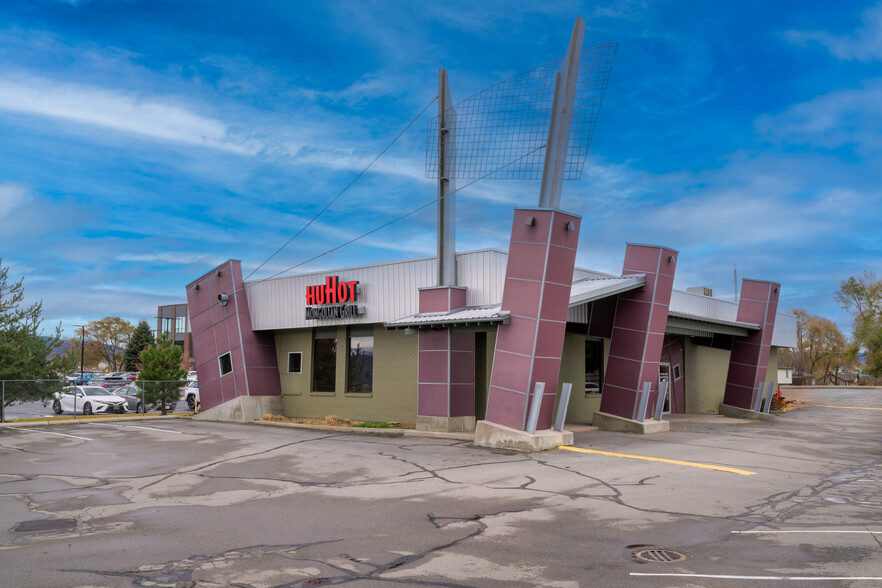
88,400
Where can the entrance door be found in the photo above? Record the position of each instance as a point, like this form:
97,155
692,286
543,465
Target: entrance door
664,375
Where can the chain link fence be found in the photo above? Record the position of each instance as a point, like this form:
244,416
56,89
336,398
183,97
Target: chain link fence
43,398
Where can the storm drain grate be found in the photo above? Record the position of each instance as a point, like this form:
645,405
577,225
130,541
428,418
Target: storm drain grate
657,555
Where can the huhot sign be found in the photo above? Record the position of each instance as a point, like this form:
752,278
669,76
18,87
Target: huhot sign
329,300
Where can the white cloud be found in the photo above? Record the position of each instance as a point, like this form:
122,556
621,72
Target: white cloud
154,117
829,121
12,196
865,44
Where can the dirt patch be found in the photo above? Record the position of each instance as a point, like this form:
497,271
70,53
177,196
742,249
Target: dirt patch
336,421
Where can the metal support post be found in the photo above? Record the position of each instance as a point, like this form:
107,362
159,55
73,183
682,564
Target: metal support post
769,395
660,401
562,109
446,185
643,401
533,419
3,404
562,405
758,397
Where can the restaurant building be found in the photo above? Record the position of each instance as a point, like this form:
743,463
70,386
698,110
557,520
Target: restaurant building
384,343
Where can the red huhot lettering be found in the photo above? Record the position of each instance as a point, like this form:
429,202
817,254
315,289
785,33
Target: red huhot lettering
331,290
352,286
342,292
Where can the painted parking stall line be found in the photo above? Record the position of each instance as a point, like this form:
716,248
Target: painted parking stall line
767,578
50,433
807,531
705,466
848,407
141,427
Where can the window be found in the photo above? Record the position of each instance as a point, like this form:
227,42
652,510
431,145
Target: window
360,368
295,362
225,363
677,372
324,360
593,366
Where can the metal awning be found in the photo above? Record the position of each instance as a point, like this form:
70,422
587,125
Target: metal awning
695,326
461,317
591,289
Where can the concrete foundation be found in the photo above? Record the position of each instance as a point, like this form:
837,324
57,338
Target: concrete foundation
445,424
243,409
489,434
744,413
611,422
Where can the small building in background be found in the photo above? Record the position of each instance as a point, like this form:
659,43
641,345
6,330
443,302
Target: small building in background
173,320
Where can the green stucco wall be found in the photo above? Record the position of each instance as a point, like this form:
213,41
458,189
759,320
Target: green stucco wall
705,371
394,396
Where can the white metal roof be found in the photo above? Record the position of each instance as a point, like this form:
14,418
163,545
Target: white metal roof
595,288
464,316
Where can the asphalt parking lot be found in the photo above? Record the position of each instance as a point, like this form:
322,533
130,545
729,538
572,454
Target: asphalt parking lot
714,502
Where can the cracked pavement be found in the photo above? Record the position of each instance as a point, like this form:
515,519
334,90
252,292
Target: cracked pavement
193,503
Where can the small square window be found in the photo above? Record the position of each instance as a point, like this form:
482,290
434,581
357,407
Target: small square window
295,362
225,362
677,372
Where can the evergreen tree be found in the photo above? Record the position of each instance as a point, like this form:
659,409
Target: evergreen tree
24,351
161,375
141,338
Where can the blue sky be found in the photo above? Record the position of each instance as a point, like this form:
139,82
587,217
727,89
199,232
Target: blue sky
144,142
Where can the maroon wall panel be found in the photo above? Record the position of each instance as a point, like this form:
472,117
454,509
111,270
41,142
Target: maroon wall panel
638,330
750,355
541,258
218,329
446,380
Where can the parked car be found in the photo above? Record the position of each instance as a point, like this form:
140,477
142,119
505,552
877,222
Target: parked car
191,394
191,375
88,400
110,381
131,392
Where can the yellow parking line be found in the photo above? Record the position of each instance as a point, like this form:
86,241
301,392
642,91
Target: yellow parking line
704,466
849,407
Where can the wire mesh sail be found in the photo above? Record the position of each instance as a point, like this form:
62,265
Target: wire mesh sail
500,132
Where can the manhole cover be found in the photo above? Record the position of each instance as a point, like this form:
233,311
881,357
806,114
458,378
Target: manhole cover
657,555
45,525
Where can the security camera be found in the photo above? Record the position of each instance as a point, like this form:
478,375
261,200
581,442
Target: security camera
223,299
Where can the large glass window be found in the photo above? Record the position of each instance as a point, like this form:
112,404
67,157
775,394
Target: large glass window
324,360
593,366
361,360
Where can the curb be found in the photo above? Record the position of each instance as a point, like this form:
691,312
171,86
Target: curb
88,420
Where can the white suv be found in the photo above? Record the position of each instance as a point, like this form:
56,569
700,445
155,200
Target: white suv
191,394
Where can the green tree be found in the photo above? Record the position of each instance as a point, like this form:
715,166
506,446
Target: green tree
107,339
140,339
25,353
821,348
861,295
161,375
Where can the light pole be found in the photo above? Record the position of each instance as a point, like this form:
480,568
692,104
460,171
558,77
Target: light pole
82,348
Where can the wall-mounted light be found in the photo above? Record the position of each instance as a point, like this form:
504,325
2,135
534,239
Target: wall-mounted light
571,226
670,259
218,274
530,221
776,289
196,287
223,299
